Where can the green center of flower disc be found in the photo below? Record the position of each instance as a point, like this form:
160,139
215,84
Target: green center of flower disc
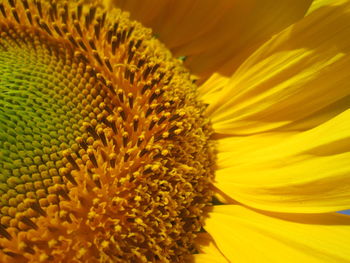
39,115
105,150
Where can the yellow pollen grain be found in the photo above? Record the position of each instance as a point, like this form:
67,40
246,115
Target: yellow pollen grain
118,164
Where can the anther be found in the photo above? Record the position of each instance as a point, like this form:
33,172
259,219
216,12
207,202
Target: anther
121,95
141,63
80,56
108,109
102,136
125,139
78,28
130,31
54,8
122,113
123,36
115,27
126,157
87,21
38,6
146,72
148,170
65,172
37,20
138,43
29,17
153,82
157,156
145,87
97,30
81,44
70,159
79,11
136,122
140,140
143,152
2,9
29,250
114,127
57,29
4,233
158,138
28,222
126,73
12,3
63,193
153,96
82,143
115,44
109,35
96,179
160,109
64,17
91,130
161,120
109,85
25,4
65,8
132,76
101,78
97,57
72,40
153,122
174,117
92,44
154,69
130,57
64,28
37,208
148,112
112,159
12,254
92,157
46,27
92,12
15,15
108,64
103,19
131,100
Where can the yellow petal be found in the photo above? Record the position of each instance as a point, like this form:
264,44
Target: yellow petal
292,79
212,88
209,252
208,258
235,150
316,4
247,236
215,33
305,172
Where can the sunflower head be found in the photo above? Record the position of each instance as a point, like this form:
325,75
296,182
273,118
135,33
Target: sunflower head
105,150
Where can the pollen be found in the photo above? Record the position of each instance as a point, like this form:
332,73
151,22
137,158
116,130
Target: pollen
105,150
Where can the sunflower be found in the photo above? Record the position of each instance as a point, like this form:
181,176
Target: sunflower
227,143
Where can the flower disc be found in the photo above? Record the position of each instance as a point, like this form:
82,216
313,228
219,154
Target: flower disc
105,149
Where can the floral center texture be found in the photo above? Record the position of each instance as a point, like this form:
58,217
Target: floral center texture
105,153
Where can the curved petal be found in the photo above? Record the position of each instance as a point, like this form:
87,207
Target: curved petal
212,88
208,251
297,80
247,236
304,172
316,4
214,33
